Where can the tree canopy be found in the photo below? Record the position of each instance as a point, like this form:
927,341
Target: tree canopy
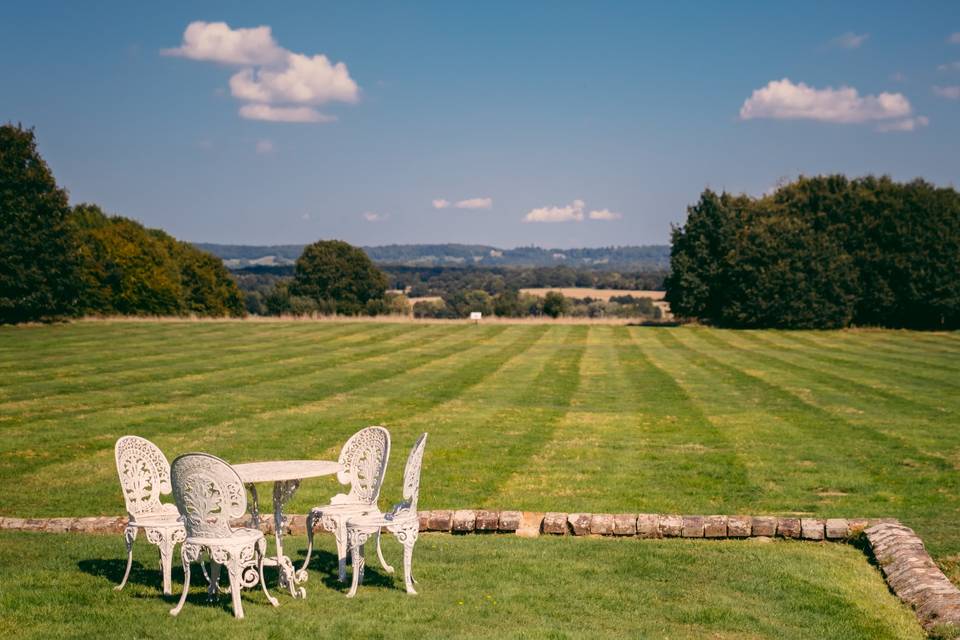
821,252
38,266
339,277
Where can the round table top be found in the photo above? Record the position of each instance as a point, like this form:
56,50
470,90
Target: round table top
280,470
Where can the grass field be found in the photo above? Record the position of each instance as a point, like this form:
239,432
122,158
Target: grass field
528,416
475,586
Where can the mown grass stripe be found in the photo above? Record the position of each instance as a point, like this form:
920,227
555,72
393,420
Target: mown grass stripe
215,357
189,384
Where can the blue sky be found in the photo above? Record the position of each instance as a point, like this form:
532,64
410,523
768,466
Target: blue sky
556,124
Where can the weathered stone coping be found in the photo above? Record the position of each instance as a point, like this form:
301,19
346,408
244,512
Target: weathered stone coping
907,567
913,575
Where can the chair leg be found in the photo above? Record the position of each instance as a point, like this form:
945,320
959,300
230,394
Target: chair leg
129,535
261,552
186,583
213,586
340,533
166,559
408,536
311,523
383,563
356,555
233,570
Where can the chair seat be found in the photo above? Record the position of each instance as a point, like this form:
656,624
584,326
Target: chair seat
346,509
157,520
377,519
243,535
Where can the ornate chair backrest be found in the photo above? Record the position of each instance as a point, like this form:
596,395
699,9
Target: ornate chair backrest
411,477
208,493
144,475
364,458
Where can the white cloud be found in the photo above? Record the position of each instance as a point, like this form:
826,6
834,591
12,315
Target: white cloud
573,212
950,66
265,146
950,93
954,38
305,216
605,214
784,100
850,40
475,203
440,203
905,124
370,216
276,84
304,80
217,42
283,114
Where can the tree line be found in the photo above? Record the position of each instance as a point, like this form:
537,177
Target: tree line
821,252
58,261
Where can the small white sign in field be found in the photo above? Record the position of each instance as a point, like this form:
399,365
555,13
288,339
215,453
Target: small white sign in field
476,316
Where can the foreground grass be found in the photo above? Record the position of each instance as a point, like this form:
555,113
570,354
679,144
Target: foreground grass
538,417
61,586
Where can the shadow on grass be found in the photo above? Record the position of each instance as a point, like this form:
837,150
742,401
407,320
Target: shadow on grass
326,563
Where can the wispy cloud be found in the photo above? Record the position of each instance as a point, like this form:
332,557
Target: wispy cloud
572,212
949,66
784,100
950,93
276,84
370,216
954,38
906,124
605,214
470,203
265,146
898,76
850,40
475,203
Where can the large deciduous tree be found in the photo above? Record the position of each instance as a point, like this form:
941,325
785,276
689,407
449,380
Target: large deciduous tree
338,276
38,261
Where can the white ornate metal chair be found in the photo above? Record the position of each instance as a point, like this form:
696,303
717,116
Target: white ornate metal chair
402,521
364,458
209,493
145,476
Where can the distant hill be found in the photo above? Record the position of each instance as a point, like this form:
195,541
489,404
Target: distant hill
648,257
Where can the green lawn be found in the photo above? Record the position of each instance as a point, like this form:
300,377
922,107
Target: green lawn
525,416
54,586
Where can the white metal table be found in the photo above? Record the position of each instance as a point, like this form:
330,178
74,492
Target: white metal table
285,476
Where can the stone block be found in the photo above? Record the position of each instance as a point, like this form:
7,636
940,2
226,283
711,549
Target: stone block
440,520
692,527
601,524
837,529
788,527
297,524
739,526
671,526
811,529
580,523
423,519
763,526
857,525
715,527
464,520
625,524
487,520
509,520
530,523
648,525
555,523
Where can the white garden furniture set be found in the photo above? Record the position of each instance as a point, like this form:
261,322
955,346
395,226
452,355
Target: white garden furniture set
209,494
